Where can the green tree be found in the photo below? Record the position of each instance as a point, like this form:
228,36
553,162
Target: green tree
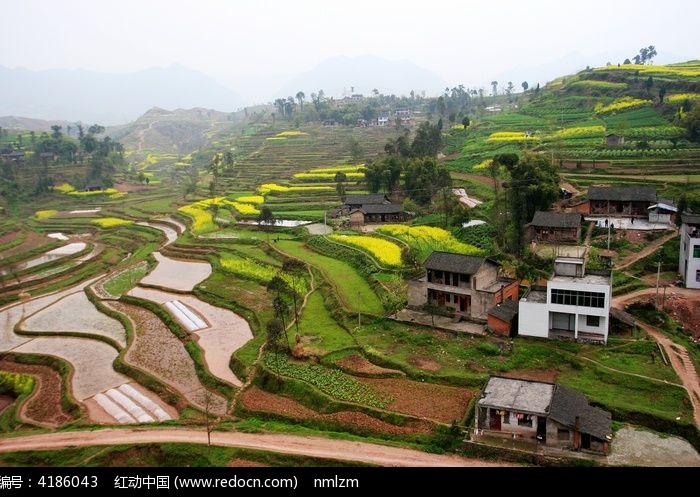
56,132
266,219
662,94
525,85
300,98
533,186
494,85
466,122
691,122
340,179
275,329
427,141
356,151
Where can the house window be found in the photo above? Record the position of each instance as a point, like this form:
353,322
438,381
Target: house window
696,252
506,417
524,420
697,275
582,299
593,321
464,278
562,434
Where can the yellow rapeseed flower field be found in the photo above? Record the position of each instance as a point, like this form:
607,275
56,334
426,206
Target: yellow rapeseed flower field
624,103
111,222
386,252
426,239
45,214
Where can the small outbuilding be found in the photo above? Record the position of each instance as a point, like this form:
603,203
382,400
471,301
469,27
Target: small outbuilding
552,414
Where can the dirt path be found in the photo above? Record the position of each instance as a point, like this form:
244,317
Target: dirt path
678,354
645,252
339,450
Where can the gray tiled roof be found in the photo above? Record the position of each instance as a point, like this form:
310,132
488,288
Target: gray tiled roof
623,193
505,311
567,404
691,218
456,263
556,220
372,199
382,209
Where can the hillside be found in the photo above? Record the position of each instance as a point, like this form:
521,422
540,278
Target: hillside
108,99
338,76
29,124
179,131
571,116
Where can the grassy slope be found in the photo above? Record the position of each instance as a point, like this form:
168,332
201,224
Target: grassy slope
352,288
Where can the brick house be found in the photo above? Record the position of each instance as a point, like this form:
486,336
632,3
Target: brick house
503,318
465,285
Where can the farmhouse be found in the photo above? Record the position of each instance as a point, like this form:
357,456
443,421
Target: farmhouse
689,265
465,285
621,201
377,213
575,305
552,414
614,140
555,227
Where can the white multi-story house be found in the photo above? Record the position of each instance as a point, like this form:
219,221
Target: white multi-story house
575,304
689,265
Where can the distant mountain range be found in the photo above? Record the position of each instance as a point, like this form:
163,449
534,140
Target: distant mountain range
341,76
107,99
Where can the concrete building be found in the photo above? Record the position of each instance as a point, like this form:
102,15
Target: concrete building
575,305
689,264
555,227
461,284
662,212
551,414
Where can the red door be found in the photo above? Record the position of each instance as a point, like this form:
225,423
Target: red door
495,424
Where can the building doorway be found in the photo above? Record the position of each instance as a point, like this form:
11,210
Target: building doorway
495,421
541,429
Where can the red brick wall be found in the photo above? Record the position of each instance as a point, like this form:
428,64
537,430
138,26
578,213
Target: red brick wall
583,208
511,292
499,327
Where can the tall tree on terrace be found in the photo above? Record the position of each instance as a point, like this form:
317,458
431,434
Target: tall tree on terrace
300,97
533,186
267,220
509,91
340,179
494,85
525,85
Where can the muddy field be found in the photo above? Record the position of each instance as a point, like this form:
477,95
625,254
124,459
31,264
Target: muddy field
357,364
425,400
44,405
91,359
33,240
177,275
228,331
255,399
156,350
75,313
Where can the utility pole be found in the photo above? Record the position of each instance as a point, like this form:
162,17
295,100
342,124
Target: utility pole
658,277
609,226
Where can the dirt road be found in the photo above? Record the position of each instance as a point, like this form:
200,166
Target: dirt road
340,450
678,355
645,252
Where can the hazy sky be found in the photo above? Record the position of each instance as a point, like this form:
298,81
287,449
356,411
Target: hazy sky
254,45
